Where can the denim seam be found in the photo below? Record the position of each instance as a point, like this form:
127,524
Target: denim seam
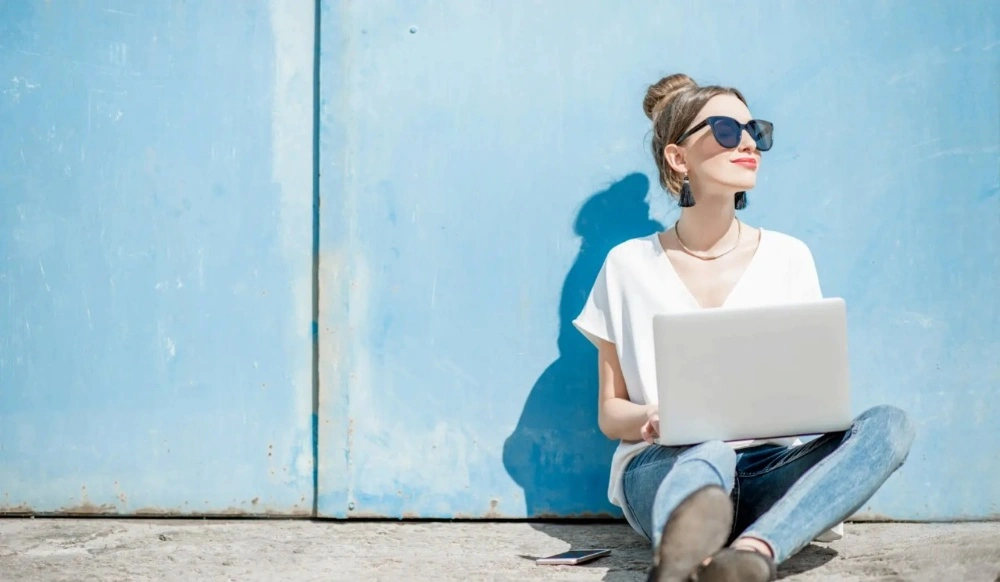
850,434
736,507
630,509
722,480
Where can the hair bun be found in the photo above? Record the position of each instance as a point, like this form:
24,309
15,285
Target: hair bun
661,93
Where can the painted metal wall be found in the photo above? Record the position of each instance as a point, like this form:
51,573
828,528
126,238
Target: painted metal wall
155,234
479,160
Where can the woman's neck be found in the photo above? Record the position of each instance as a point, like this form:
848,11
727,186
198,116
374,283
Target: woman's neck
705,224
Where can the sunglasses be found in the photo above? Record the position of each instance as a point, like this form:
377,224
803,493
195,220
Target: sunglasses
728,132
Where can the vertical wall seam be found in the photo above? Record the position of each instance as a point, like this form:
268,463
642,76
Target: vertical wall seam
315,251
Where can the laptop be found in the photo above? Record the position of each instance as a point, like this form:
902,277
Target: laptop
752,373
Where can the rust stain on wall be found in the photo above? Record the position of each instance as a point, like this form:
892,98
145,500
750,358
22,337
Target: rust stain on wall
19,509
87,508
492,513
870,516
107,510
874,517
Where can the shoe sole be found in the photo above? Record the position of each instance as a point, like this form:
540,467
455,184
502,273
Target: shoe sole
697,528
738,566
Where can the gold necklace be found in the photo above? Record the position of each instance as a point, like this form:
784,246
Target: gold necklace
739,233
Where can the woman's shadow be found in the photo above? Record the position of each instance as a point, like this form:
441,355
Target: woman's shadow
556,453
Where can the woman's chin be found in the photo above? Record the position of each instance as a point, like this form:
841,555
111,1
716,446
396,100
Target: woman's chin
742,185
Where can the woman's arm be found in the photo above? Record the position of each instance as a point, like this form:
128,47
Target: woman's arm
617,416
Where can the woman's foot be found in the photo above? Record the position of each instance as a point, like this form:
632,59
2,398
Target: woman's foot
698,527
738,565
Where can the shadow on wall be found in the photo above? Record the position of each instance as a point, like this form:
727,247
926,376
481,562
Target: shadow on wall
557,454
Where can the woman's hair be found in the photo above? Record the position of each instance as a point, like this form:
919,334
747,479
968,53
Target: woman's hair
672,103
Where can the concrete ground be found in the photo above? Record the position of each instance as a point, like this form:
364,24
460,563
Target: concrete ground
134,550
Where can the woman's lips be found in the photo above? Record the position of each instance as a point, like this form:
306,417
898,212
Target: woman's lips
746,163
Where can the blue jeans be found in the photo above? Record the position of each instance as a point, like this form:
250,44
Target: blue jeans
785,496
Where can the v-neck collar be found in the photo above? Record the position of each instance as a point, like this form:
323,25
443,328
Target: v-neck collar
658,245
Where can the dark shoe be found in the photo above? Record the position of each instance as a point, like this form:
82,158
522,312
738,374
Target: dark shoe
699,526
731,565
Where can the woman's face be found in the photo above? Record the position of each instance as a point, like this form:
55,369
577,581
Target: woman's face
710,167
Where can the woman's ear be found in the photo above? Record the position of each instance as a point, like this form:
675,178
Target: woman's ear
673,154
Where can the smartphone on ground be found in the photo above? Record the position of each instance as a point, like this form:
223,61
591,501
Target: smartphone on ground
572,558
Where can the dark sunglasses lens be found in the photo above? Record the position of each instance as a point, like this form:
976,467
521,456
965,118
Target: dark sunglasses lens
726,131
762,132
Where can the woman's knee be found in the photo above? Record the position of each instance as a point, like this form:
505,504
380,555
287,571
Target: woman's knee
716,452
890,424
718,455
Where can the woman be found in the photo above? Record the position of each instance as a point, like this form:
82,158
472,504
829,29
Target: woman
765,499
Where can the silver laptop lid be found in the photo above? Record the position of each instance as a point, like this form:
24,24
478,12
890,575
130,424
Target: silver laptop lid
743,373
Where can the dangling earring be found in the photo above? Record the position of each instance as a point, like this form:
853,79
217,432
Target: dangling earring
686,199
741,200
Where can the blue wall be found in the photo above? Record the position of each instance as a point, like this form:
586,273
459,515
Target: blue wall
478,161
155,235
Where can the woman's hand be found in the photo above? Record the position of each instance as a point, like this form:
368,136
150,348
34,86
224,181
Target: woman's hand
651,430
617,416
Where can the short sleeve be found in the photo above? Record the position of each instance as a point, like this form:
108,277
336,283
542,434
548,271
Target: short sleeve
805,279
594,320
